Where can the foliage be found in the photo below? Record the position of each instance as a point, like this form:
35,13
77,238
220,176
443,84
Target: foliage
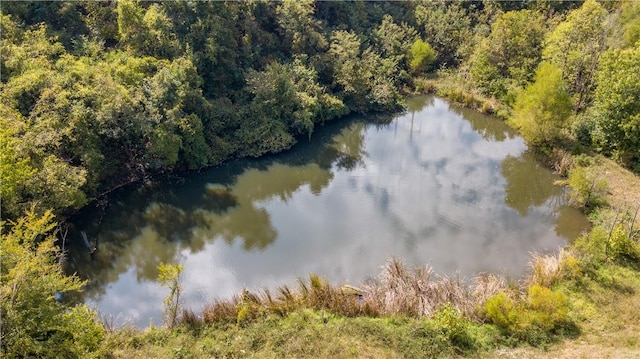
35,322
421,56
630,23
366,81
616,109
584,190
302,33
393,39
446,26
291,94
612,243
510,53
169,276
535,319
542,110
575,46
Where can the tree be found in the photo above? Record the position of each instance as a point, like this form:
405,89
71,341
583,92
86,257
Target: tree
392,39
446,26
146,32
291,94
543,109
616,107
421,57
169,276
510,54
364,79
37,320
575,47
301,31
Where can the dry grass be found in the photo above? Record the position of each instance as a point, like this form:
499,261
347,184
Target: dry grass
561,161
421,293
397,291
546,269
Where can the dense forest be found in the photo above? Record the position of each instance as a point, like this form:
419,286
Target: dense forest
98,94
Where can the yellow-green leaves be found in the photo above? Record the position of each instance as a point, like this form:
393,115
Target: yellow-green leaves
34,323
169,276
421,57
542,110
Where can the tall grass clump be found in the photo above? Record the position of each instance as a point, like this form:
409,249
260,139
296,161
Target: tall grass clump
420,293
550,269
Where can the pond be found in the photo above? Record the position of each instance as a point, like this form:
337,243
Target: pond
437,185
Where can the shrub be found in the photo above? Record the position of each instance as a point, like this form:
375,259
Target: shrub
602,244
535,318
584,189
455,327
169,276
34,322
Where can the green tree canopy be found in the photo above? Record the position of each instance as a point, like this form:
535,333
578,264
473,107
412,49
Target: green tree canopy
509,56
616,108
575,47
542,110
421,57
34,323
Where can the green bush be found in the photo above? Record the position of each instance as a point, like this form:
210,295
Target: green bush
455,328
35,323
536,318
584,189
602,244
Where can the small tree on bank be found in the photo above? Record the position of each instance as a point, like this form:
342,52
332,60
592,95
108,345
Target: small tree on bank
543,109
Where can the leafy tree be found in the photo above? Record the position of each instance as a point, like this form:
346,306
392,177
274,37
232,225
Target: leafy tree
543,109
446,26
35,322
511,52
616,107
365,80
392,39
421,57
301,31
630,23
575,47
291,94
147,32
169,276
16,166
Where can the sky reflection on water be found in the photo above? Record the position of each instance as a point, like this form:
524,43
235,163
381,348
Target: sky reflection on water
437,185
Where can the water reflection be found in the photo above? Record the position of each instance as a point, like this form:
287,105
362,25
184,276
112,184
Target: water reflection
436,185
527,182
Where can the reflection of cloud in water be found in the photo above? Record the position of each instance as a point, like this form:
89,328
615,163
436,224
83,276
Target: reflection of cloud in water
247,221
428,188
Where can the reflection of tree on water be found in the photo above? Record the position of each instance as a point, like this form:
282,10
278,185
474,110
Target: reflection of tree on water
570,222
347,148
528,183
246,220
141,235
417,103
488,127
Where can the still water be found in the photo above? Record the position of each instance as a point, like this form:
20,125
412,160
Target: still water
437,185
